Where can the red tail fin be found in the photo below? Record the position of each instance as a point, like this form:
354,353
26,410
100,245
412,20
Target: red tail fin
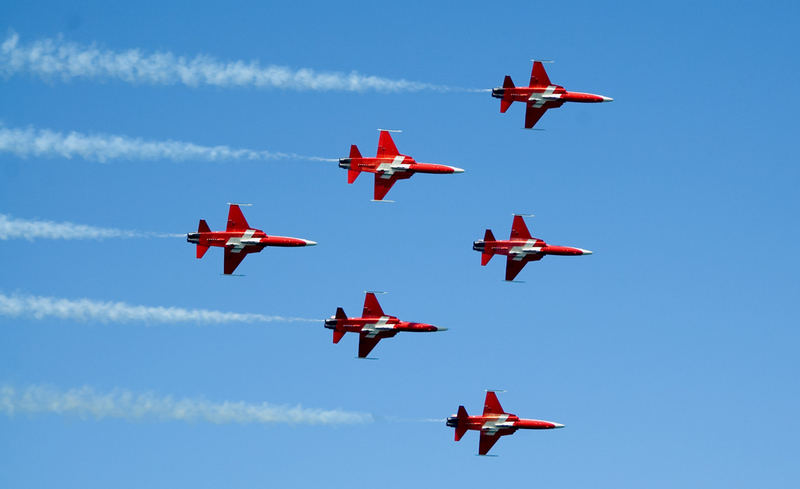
353,173
337,335
506,101
461,425
202,227
488,250
340,313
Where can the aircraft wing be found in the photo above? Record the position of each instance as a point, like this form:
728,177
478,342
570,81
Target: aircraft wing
386,145
233,259
491,405
382,185
513,267
372,309
539,76
487,442
533,114
519,230
366,344
236,220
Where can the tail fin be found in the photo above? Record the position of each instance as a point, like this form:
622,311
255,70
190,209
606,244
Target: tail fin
353,173
487,254
461,425
506,101
337,334
202,227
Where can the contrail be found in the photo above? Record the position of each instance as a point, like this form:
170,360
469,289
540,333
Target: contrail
57,58
13,228
105,147
122,404
38,307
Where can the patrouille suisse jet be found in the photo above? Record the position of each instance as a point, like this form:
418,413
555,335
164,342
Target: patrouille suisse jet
388,165
238,239
494,423
520,248
540,95
373,326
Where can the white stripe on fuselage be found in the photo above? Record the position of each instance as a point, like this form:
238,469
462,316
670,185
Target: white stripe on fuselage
237,243
389,169
529,248
493,426
373,329
540,98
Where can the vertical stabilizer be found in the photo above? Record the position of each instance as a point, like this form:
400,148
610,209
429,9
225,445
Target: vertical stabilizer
353,173
202,227
461,424
506,101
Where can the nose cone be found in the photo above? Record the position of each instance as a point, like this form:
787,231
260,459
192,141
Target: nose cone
584,252
606,99
439,328
308,242
457,170
558,425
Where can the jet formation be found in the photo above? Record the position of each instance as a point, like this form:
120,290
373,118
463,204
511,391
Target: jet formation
388,165
494,423
520,248
238,239
540,95
373,325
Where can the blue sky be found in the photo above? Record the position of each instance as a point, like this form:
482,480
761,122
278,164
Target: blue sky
670,354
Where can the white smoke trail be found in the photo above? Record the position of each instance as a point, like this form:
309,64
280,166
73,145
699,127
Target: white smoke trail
104,147
38,307
51,58
11,228
122,404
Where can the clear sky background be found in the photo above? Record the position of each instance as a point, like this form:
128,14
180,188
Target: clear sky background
670,354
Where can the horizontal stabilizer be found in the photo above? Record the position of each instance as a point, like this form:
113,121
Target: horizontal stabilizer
485,257
340,313
202,227
337,335
201,250
352,174
461,425
354,152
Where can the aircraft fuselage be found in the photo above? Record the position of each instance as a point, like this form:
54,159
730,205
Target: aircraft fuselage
399,167
522,248
550,96
251,239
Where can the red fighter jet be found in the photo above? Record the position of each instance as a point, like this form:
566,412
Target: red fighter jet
520,248
238,239
373,326
494,423
388,165
540,95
